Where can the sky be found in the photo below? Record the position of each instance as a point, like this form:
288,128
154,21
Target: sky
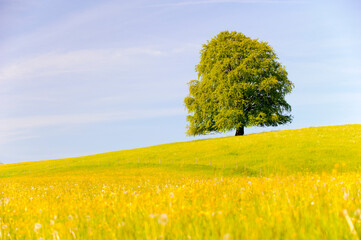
86,77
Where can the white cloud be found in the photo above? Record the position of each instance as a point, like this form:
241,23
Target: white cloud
16,128
66,23
75,61
14,135
187,3
89,60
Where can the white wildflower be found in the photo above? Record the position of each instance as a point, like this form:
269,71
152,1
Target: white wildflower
163,219
37,226
227,237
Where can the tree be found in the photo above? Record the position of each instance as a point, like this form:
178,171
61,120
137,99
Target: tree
240,84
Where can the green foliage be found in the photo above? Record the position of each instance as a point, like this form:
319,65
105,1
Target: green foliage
240,84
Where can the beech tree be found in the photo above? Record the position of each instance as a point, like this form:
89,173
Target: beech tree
240,84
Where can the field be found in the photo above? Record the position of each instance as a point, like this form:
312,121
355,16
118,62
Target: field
294,184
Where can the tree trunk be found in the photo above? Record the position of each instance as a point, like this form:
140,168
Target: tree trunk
240,131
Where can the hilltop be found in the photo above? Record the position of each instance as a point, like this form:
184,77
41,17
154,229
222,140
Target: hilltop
314,149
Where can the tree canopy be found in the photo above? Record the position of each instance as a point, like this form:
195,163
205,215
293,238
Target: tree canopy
240,84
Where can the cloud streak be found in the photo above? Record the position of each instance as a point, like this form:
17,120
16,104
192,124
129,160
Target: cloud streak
189,3
75,61
16,128
88,60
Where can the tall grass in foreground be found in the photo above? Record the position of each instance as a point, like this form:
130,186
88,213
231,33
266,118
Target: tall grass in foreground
178,207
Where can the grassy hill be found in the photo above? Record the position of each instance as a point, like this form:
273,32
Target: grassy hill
209,189
315,149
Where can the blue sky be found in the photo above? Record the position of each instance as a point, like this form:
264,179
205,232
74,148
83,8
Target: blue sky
84,77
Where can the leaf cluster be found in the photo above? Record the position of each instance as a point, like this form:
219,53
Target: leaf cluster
240,84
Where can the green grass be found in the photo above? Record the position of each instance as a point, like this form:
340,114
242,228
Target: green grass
314,150
209,189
